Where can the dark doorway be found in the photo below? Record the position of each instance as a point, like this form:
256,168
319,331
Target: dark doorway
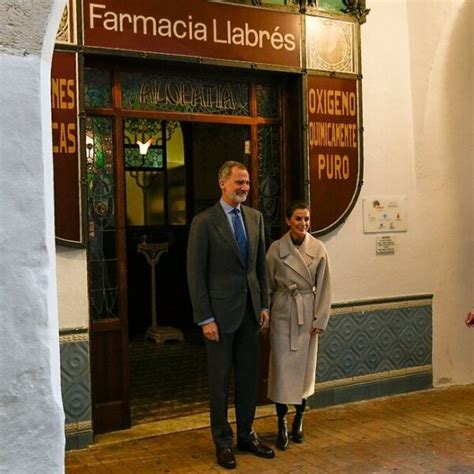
168,377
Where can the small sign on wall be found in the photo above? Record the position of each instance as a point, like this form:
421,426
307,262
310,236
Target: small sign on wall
385,214
385,245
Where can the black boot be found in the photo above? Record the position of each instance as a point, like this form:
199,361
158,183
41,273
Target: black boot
297,425
282,438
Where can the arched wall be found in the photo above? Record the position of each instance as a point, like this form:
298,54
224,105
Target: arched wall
31,414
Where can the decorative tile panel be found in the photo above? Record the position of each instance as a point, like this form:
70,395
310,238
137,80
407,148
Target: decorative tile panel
369,342
75,386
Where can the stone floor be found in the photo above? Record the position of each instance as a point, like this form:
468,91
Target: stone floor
423,432
167,379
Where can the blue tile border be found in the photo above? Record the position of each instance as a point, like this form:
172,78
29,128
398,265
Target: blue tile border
372,389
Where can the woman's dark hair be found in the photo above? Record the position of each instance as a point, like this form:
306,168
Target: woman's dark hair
295,205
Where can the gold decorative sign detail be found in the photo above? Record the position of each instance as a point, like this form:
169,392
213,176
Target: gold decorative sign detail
331,45
66,30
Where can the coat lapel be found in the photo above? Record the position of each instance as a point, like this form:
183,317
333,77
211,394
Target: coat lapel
292,257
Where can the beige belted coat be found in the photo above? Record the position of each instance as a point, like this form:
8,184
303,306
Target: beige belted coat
300,299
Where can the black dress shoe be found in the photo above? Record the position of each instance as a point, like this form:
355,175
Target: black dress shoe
254,446
225,458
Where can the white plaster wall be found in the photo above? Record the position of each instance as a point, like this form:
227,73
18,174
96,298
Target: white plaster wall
71,267
418,92
31,415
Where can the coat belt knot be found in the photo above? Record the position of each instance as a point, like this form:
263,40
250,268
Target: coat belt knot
298,319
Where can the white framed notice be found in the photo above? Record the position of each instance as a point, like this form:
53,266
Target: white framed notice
385,214
385,245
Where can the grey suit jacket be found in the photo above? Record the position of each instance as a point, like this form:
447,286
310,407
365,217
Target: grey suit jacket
217,278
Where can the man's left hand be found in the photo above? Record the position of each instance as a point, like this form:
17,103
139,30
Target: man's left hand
264,319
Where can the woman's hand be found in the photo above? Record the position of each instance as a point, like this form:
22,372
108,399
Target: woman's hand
314,331
264,319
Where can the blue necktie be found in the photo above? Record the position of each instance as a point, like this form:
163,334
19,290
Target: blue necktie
240,235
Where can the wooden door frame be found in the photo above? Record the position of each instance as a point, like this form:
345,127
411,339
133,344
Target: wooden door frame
115,412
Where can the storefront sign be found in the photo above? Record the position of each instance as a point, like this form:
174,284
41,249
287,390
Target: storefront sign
333,140
197,28
65,147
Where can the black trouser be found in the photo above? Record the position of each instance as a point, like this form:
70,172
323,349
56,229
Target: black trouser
240,350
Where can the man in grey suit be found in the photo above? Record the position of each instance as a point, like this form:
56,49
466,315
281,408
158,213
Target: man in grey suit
226,278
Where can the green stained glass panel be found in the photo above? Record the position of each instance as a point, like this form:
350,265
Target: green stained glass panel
332,5
153,158
143,142
184,94
101,215
98,88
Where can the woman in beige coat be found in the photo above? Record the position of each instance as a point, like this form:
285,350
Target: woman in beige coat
300,302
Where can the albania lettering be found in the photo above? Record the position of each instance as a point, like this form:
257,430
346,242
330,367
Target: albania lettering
219,31
326,106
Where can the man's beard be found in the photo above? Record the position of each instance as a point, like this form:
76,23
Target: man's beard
240,197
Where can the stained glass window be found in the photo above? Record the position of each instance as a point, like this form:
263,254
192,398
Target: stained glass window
101,213
143,143
332,5
174,93
267,100
269,173
98,88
